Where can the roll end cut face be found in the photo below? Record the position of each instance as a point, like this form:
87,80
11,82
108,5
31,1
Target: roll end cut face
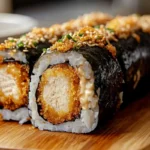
14,85
58,94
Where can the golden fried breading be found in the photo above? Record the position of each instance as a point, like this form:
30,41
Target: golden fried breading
58,94
14,85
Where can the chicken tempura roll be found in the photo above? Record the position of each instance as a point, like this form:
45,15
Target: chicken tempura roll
75,83
132,43
28,48
14,84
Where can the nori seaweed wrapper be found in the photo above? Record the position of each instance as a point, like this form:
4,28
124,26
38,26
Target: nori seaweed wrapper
32,54
108,76
32,51
144,46
133,52
129,58
134,57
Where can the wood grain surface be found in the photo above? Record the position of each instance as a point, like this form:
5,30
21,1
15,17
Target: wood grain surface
128,130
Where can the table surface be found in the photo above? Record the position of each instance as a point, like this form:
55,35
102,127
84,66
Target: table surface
128,130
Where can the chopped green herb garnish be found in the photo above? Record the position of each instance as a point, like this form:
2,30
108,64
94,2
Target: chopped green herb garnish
109,29
20,44
80,34
60,40
69,36
12,40
63,37
97,26
44,50
23,35
74,40
35,43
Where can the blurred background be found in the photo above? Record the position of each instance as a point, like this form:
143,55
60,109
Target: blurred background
44,13
48,12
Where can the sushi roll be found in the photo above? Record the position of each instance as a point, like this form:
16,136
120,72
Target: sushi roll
14,84
133,50
76,83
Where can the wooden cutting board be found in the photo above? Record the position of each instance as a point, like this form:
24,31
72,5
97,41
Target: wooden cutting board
128,130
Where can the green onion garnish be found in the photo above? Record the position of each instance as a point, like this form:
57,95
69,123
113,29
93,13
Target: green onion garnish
109,29
23,35
69,36
74,40
80,34
97,26
11,40
44,50
35,43
60,40
20,44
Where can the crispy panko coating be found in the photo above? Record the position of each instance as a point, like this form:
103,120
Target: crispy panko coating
58,94
14,85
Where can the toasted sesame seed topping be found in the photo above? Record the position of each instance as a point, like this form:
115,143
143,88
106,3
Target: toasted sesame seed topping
85,36
53,33
123,26
144,23
8,45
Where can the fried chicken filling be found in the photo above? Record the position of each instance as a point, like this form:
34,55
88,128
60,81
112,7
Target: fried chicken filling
14,85
58,94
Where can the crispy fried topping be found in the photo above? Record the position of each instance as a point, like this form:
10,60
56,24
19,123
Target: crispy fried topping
144,23
86,36
10,43
111,49
123,26
53,33
1,117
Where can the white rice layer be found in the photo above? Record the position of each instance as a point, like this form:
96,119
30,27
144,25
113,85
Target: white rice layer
89,100
18,55
21,115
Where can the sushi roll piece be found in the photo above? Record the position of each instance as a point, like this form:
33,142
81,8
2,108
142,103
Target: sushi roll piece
14,84
21,54
76,83
133,50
